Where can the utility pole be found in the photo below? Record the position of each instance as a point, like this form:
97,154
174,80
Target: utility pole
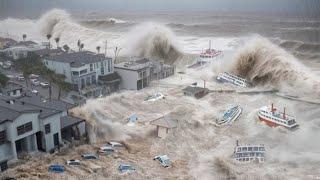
105,48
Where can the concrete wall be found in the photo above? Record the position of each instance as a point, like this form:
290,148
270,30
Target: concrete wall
5,149
55,127
128,78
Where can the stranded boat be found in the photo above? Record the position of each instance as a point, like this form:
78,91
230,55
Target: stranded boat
272,117
249,153
230,115
233,79
209,55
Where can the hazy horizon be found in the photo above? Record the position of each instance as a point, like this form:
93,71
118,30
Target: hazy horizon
34,8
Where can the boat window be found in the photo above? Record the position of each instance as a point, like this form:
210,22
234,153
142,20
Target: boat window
251,154
244,148
261,148
255,149
249,148
247,159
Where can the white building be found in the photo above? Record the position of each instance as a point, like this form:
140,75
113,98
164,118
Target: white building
82,69
28,124
135,75
21,49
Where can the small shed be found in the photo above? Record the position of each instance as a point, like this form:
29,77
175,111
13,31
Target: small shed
195,91
164,125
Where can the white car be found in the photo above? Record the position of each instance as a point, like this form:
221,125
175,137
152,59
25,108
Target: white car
163,160
115,144
35,82
44,84
73,162
155,97
34,91
107,150
20,78
33,76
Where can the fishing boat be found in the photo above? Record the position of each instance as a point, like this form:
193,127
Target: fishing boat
233,79
209,55
230,115
249,153
273,117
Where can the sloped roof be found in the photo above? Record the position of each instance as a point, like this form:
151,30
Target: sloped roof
68,121
165,121
77,59
47,51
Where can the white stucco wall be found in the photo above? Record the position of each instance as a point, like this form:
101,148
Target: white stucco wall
128,78
59,68
55,127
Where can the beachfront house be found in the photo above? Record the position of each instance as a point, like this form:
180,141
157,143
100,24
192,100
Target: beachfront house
83,70
29,124
135,74
21,49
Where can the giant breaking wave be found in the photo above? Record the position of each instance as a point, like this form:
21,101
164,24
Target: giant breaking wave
264,63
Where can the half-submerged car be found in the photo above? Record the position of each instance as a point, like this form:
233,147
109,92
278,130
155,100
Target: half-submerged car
89,156
115,144
163,160
155,97
106,150
56,168
73,162
125,168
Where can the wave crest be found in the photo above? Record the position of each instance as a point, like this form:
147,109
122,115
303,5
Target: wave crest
264,63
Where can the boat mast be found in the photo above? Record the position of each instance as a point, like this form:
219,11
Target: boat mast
284,113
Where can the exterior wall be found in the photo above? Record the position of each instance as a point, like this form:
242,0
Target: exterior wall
128,78
55,127
59,68
15,93
5,149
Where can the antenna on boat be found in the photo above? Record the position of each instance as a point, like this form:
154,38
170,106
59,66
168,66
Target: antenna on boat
284,113
272,110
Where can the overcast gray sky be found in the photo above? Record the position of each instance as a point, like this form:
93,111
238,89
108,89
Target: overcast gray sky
36,7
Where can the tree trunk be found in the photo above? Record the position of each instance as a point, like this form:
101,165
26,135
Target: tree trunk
50,90
25,78
59,95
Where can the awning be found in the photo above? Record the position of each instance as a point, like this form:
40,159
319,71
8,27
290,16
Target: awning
69,121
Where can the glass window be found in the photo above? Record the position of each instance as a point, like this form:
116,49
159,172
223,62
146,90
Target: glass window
3,137
47,128
83,71
24,128
91,67
75,73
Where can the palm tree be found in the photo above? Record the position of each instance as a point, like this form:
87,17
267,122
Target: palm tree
49,37
79,44
116,53
60,81
50,76
57,39
24,36
66,47
98,49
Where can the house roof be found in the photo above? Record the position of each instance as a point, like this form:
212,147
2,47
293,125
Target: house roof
11,87
194,89
47,51
134,65
68,121
78,59
165,121
110,77
25,43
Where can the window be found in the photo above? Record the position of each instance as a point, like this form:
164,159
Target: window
109,66
93,78
83,71
91,67
3,137
75,73
102,70
47,128
24,128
